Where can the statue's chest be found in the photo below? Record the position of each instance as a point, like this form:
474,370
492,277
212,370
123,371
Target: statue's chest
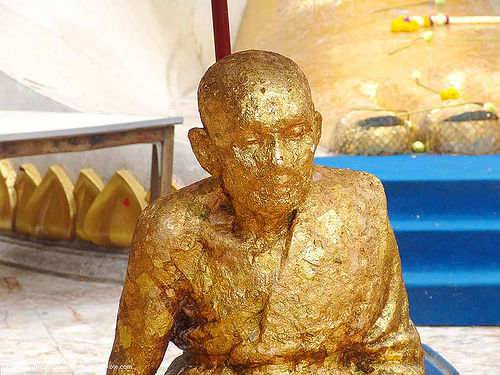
230,281
324,285
316,288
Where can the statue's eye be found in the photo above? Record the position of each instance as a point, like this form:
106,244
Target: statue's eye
296,130
248,139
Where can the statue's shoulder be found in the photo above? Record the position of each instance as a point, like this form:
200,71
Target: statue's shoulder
361,190
342,198
178,213
328,179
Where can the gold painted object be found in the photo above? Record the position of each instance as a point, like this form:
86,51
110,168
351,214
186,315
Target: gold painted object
467,130
51,208
27,181
272,265
111,219
372,133
7,195
87,187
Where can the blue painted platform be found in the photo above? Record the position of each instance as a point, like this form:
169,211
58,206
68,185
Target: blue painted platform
445,212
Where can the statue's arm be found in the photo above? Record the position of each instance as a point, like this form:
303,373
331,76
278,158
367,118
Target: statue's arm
392,345
148,305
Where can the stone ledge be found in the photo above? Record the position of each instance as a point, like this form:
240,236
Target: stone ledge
75,259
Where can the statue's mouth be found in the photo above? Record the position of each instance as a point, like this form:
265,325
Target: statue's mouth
279,176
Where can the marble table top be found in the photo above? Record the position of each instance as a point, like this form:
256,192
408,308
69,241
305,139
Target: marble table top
17,125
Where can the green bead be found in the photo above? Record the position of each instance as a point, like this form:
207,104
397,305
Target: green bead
439,3
428,35
490,107
418,147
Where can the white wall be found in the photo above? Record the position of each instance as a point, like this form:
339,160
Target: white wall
141,57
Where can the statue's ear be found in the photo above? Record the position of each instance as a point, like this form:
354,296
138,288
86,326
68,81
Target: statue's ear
318,120
205,151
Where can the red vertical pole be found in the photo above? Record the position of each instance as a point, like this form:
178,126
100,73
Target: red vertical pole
220,19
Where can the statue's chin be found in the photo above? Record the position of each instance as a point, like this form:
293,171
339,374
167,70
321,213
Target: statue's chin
268,198
275,204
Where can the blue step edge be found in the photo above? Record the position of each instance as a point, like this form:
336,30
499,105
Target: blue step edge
423,167
437,365
446,224
452,278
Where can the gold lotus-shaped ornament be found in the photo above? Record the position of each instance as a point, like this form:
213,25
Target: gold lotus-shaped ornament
52,206
27,181
7,195
87,188
111,219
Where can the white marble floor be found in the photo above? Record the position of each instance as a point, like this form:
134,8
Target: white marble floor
52,325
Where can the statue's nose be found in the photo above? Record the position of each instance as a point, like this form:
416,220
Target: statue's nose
276,153
277,156
273,154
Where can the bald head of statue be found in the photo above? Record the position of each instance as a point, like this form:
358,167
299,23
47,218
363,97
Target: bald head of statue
260,130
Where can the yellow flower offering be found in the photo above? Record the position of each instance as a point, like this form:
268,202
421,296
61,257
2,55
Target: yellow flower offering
404,24
450,93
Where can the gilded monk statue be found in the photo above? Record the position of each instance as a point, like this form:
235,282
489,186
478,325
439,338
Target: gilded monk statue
273,265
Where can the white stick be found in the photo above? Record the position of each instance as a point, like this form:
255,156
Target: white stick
474,19
442,19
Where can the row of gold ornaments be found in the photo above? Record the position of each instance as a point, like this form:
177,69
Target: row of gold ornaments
53,208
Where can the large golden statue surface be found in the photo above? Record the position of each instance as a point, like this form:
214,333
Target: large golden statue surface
272,265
